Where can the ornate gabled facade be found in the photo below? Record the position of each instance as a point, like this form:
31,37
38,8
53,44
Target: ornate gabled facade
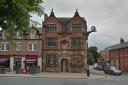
65,46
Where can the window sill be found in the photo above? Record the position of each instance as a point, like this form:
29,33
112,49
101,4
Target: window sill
31,50
4,50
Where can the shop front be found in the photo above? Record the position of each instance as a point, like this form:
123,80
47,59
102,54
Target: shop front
31,61
4,61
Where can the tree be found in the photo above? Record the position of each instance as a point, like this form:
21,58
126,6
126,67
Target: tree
93,50
90,58
15,15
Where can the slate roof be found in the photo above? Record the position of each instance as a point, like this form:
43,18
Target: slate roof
117,46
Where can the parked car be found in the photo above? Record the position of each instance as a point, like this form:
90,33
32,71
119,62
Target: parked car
97,66
112,70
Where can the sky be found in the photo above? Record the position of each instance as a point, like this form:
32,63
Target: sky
108,16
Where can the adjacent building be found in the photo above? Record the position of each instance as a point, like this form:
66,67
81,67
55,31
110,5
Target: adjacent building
25,50
117,54
59,46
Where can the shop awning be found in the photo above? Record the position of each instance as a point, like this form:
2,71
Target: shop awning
4,58
31,58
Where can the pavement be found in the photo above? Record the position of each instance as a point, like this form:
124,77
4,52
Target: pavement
54,75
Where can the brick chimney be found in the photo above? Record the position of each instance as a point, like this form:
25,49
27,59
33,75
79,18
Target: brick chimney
45,17
121,40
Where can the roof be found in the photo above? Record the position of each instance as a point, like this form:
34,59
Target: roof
117,46
39,29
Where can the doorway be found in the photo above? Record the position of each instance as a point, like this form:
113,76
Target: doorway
64,65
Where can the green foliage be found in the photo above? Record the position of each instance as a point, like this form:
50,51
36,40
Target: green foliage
93,50
90,58
15,14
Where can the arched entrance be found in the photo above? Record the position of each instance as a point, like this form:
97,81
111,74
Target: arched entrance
64,65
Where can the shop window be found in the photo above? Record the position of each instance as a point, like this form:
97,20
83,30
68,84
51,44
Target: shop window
4,46
52,27
32,46
51,59
76,27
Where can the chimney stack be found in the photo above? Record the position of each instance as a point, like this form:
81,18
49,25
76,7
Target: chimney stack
45,17
121,40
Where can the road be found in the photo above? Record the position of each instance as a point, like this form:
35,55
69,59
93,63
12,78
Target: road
123,77
52,81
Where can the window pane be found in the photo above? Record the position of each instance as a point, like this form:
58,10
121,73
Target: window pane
76,42
51,42
76,27
51,59
18,46
52,27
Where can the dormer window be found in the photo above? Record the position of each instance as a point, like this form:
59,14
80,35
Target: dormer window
33,34
52,27
18,35
76,27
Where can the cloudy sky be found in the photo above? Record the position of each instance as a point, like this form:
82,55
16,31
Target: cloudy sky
109,16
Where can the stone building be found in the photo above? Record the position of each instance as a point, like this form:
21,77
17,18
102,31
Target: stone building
65,43
117,54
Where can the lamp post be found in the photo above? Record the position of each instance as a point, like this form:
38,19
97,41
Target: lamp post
93,29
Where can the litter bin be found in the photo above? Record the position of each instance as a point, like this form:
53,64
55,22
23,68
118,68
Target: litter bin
17,70
32,71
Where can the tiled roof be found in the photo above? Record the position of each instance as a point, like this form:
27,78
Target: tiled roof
63,20
117,46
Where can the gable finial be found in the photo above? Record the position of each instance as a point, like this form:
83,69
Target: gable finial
52,13
76,13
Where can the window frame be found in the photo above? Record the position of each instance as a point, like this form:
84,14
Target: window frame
76,42
4,45
18,35
33,34
51,42
76,27
52,27
18,46
51,58
32,46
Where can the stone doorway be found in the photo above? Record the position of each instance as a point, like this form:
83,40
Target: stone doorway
64,65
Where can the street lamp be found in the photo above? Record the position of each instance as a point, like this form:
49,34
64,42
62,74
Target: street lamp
93,29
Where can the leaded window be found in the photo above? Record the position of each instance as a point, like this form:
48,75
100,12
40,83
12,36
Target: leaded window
76,27
51,59
52,27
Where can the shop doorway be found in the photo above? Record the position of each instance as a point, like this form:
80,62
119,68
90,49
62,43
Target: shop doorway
17,63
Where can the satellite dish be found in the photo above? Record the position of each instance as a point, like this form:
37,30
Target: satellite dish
93,29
